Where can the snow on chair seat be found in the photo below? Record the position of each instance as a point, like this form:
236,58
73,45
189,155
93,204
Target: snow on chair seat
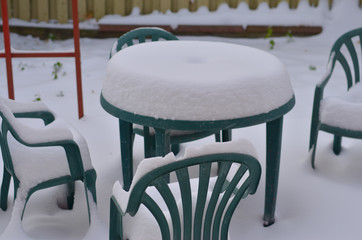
189,208
344,111
42,157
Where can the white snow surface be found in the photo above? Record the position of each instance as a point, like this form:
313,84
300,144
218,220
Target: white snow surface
196,80
311,204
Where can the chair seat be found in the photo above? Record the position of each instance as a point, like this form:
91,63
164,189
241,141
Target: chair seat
343,111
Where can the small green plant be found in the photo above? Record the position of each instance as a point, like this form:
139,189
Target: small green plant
269,33
22,66
271,44
37,98
51,37
312,68
289,35
268,36
56,69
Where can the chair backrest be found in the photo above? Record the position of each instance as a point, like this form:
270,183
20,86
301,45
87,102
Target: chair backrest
347,51
140,35
205,212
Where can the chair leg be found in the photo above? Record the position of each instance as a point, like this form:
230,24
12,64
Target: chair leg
314,147
5,189
149,143
91,177
115,223
226,135
126,134
217,137
70,195
337,144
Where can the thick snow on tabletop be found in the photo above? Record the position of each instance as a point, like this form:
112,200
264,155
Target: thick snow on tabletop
196,80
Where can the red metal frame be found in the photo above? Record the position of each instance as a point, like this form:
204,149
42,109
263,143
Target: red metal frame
8,55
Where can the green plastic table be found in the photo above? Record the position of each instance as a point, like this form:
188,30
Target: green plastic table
197,86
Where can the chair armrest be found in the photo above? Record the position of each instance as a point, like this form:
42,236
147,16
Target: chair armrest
323,82
55,133
121,197
31,110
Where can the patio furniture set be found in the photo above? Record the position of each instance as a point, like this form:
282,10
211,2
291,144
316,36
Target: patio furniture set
171,92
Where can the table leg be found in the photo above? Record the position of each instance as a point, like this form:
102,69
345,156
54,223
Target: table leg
126,135
163,144
274,141
149,143
226,135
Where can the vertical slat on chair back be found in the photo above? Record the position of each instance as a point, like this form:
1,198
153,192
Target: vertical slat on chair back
210,216
185,188
170,201
204,177
210,210
352,70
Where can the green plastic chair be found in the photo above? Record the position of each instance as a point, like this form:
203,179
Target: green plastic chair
189,208
42,157
344,122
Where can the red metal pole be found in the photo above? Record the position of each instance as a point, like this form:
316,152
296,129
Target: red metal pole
77,57
9,67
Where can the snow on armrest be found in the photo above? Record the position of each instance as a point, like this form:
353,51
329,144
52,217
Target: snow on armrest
121,196
22,107
58,130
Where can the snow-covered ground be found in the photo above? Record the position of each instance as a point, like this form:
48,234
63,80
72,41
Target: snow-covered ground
312,204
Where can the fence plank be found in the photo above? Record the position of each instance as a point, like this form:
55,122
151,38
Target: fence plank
137,3
82,10
155,5
109,6
24,10
293,4
13,5
52,9
62,11
313,3
42,10
179,4
165,5
147,7
212,5
119,7
99,8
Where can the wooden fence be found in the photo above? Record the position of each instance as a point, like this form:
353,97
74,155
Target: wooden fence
60,10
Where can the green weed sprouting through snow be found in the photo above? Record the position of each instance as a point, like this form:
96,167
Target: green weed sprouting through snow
289,35
268,36
56,68
312,68
37,98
